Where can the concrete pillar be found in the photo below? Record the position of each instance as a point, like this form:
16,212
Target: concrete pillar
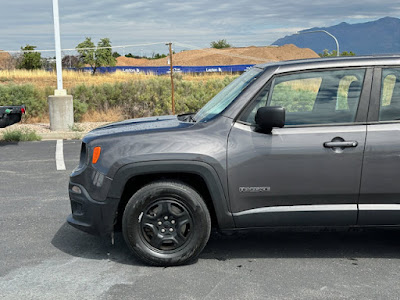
61,112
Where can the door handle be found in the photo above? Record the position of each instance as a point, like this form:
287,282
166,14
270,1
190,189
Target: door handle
341,144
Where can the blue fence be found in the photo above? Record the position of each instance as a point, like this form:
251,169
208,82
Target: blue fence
177,69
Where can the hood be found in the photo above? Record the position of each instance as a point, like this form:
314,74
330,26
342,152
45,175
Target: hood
140,125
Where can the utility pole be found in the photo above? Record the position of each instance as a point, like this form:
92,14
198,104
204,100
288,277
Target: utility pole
172,78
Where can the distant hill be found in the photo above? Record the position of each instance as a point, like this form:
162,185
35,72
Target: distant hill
376,37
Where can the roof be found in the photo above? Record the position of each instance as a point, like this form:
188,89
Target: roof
333,62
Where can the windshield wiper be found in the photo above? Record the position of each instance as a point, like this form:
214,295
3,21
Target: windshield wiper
187,117
191,118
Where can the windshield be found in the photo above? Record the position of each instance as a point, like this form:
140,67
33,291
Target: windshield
222,100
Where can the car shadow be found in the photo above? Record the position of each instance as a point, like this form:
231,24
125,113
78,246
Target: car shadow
80,244
350,245
7,143
371,243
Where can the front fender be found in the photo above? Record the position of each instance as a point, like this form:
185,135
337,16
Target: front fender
219,196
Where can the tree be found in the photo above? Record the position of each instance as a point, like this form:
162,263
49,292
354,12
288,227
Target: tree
326,53
30,60
345,53
70,61
96,56
86,51
104,54
158,56
49,63
220,44
116,54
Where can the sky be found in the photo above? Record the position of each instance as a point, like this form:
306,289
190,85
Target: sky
192,23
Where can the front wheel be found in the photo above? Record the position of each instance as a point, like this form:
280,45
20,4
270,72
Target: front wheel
166,223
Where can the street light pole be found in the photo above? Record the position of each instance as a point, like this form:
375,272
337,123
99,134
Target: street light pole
326,32
57,38
61,107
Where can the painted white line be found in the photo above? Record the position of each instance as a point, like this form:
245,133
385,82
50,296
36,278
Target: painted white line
60,156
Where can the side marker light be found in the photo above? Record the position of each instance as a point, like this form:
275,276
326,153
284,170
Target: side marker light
96,154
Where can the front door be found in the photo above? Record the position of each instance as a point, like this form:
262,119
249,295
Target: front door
307,173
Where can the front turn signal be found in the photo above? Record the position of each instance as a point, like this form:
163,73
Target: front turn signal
96,154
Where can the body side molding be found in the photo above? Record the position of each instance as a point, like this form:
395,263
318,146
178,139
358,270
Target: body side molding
379,207
298,215
298,208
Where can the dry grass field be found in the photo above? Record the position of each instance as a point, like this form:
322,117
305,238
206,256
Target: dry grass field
43,79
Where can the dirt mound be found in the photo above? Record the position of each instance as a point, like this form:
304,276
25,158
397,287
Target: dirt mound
230,56
130,61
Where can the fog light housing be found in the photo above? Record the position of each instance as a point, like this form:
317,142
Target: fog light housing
77,208
76,189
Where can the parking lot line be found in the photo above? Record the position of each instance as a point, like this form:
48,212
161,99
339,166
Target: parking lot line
60,165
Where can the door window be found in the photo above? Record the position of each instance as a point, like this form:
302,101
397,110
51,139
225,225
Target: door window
312,97
389,109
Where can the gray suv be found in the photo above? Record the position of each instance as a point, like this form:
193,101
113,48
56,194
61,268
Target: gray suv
298,143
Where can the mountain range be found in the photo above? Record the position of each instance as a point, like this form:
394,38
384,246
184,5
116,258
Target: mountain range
377,37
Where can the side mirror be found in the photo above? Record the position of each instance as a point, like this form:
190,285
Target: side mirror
269,117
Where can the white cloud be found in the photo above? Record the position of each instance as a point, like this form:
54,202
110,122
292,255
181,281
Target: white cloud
360,17
241,22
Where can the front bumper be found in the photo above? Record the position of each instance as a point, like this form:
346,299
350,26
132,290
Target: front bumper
89,215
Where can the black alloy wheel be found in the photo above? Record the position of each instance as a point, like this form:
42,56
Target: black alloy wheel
166,223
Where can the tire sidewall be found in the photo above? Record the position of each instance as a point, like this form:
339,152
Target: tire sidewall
186,197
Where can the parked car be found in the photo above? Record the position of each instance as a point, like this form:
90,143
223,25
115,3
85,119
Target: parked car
10,115
311,142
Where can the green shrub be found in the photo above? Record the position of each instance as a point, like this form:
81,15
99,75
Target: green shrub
20,135
34,99
148,97
80,108
220,44
139,98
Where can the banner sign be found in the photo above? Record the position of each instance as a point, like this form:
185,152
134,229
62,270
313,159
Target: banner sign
166,69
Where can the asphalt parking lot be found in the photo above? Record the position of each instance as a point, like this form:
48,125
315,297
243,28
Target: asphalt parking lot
42,257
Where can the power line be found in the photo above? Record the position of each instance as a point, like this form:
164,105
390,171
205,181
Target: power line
74,49
192,47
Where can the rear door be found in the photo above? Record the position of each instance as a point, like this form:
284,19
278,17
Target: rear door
307,173
380,189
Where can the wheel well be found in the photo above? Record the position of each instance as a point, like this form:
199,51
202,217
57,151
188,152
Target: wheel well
137,182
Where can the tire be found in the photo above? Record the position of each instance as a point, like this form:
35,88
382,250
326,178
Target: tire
166,223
